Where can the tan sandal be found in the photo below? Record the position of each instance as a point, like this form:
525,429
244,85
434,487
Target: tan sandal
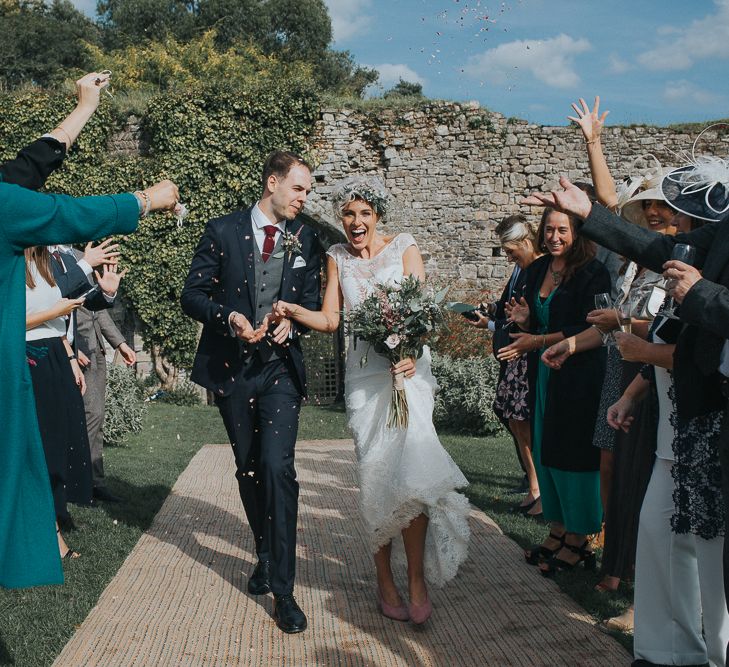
622,623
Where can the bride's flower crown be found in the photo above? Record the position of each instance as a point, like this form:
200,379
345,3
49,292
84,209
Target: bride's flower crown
368,188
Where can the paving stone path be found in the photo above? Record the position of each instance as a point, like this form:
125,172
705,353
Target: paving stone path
180,597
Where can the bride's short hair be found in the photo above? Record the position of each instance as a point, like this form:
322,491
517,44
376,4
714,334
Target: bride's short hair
368,188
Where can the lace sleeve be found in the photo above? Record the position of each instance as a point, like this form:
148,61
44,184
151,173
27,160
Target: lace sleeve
404,241
335,252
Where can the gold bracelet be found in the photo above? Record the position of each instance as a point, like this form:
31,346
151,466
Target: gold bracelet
68,136
544,340
147,202
596,140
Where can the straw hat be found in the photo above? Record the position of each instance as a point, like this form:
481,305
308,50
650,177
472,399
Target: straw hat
643,184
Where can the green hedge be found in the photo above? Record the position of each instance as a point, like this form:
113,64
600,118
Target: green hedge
467,391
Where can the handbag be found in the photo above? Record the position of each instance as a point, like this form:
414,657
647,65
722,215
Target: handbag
501,338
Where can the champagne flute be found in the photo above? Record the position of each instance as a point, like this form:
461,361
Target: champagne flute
625,310
603,301
686,254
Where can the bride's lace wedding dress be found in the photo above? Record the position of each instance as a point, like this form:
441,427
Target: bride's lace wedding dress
402,473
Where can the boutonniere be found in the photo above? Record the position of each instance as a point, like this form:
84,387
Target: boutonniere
290,244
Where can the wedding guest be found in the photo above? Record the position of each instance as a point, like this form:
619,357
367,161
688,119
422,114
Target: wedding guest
74,273
680,612
408,482
518,238
58,385
559,292
626,461
28,545
700,189
94,328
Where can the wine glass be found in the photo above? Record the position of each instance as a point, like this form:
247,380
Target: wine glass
603,301
686,254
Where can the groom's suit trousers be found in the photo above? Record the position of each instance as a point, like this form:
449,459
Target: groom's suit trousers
261,417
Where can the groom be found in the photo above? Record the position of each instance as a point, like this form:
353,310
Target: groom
244,263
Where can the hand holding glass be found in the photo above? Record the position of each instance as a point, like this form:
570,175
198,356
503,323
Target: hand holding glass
686,254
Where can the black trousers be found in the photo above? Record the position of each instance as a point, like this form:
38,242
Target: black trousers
724,458
262,420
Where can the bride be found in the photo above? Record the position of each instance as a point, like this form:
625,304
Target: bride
407,480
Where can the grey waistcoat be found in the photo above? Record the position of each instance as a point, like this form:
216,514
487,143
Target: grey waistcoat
268,283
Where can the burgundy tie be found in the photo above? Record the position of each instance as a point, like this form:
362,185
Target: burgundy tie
57,256
269,242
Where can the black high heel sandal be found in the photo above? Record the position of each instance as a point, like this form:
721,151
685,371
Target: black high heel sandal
540,552
586,557
70,553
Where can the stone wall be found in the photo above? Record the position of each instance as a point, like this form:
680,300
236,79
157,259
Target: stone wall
457,169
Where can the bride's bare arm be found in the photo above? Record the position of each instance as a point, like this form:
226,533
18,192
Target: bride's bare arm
326,319
412,263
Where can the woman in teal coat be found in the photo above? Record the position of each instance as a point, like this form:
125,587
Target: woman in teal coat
28,547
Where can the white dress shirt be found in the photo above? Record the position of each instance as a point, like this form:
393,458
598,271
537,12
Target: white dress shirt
82,263
260,220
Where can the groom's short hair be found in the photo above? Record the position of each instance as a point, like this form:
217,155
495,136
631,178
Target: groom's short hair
279,163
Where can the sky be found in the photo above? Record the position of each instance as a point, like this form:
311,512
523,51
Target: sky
651,61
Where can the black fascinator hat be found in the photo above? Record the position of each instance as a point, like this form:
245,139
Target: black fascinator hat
699,189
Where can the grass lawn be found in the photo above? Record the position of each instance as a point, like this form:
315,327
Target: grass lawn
36,623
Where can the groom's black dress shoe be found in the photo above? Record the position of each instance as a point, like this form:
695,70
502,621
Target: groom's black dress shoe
288,614
260,581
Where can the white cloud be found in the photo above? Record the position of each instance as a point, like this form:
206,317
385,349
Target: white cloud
88,7
349,17
390,74
550,61
685,93
617,65
702,39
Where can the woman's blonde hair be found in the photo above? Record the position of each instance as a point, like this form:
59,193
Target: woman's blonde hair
40,257
516,229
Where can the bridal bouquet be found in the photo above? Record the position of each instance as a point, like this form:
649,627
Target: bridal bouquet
394,321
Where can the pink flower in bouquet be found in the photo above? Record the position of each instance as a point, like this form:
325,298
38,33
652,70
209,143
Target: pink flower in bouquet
392,341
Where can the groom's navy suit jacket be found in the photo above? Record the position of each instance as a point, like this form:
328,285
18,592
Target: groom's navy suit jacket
222,280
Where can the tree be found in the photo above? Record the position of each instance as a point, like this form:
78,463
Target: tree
405,89
42,43
337,72
134,21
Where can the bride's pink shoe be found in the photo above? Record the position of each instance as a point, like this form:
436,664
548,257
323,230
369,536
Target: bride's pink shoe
399,613
419,613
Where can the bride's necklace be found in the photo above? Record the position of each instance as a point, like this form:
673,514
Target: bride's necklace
556,275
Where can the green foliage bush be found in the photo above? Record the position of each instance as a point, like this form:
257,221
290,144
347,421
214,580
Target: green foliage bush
467,391
185,393
125,408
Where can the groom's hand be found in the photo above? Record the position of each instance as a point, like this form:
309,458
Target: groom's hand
242,329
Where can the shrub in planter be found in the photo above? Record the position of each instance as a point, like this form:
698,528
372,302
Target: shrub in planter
125,409
467,390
